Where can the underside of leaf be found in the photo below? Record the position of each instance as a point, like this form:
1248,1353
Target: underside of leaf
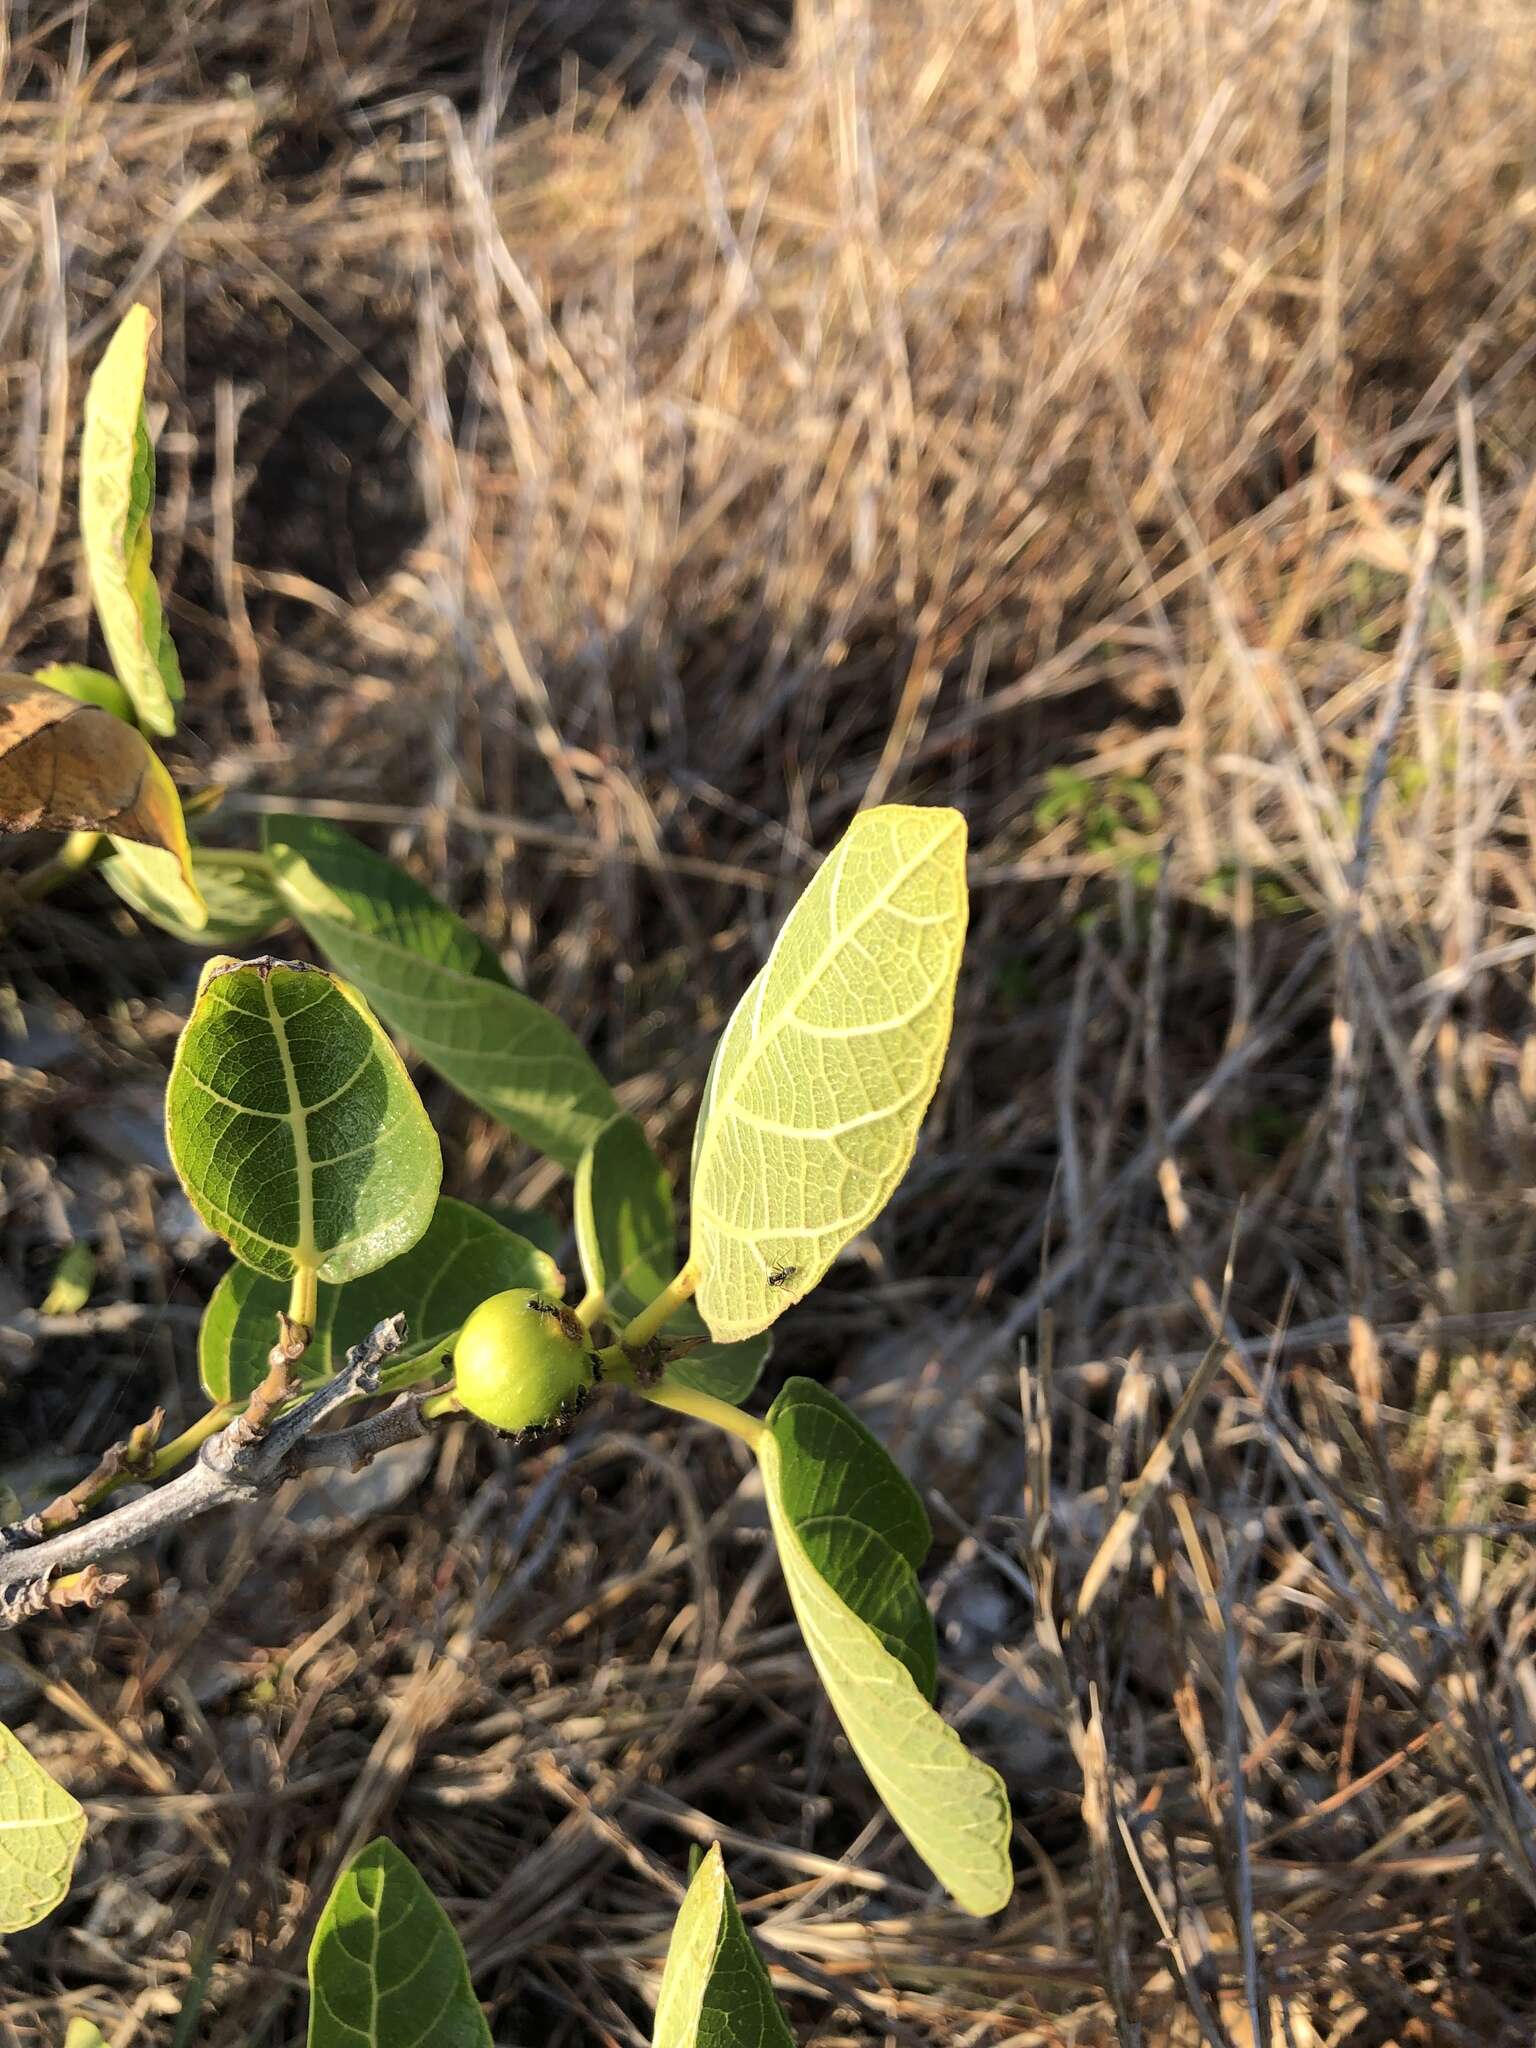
822,1077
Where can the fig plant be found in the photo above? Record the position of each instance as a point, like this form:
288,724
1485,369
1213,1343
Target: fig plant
364,1306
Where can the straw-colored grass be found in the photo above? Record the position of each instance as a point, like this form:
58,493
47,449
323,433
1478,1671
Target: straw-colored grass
1117,417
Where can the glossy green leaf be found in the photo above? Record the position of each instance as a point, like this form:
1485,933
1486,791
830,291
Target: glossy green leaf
849,1532
117,502
385,1966
294,1126
432,980
89,686
240,902
626,1238
41,1829
715,1992
823,1075
463,1257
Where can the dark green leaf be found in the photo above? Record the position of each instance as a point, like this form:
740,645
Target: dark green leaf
432,980
537,1225
294,1126
858,1518
463,1257
385,1967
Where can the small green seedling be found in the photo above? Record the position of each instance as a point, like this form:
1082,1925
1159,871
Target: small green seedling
298,1134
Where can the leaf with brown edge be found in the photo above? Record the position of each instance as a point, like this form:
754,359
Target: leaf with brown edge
69,767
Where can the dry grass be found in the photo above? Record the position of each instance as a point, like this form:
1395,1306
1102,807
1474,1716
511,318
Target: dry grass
1116,417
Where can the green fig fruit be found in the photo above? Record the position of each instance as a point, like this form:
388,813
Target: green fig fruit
522,1361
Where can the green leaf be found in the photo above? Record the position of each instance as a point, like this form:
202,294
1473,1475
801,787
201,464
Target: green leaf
117,500
442,988
849,1532
236,888
294,1126
715,1992
73,1277
463,1257
626,1239
82,2034
858,1519
537,1225
821,1079
41,1829
385,1966
89,686
146,874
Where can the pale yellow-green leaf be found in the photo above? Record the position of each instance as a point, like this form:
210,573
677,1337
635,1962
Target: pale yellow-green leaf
83,2034
117,501
89,686
715,1992
73,1278
41,1828
235,888
822,1077
150,874
951,1807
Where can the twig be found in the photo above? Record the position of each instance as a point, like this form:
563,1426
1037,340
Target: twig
129,1457
232,1467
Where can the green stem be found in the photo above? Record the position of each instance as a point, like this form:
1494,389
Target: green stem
445,1403
170,1455
76,854
417,1371
591,1306
655,1316
706,1408
304,1297
222,1413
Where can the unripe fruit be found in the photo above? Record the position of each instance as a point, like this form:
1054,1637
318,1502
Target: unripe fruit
522,1361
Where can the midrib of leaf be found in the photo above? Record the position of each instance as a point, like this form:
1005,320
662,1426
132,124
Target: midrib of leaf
376,1921
305,1252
